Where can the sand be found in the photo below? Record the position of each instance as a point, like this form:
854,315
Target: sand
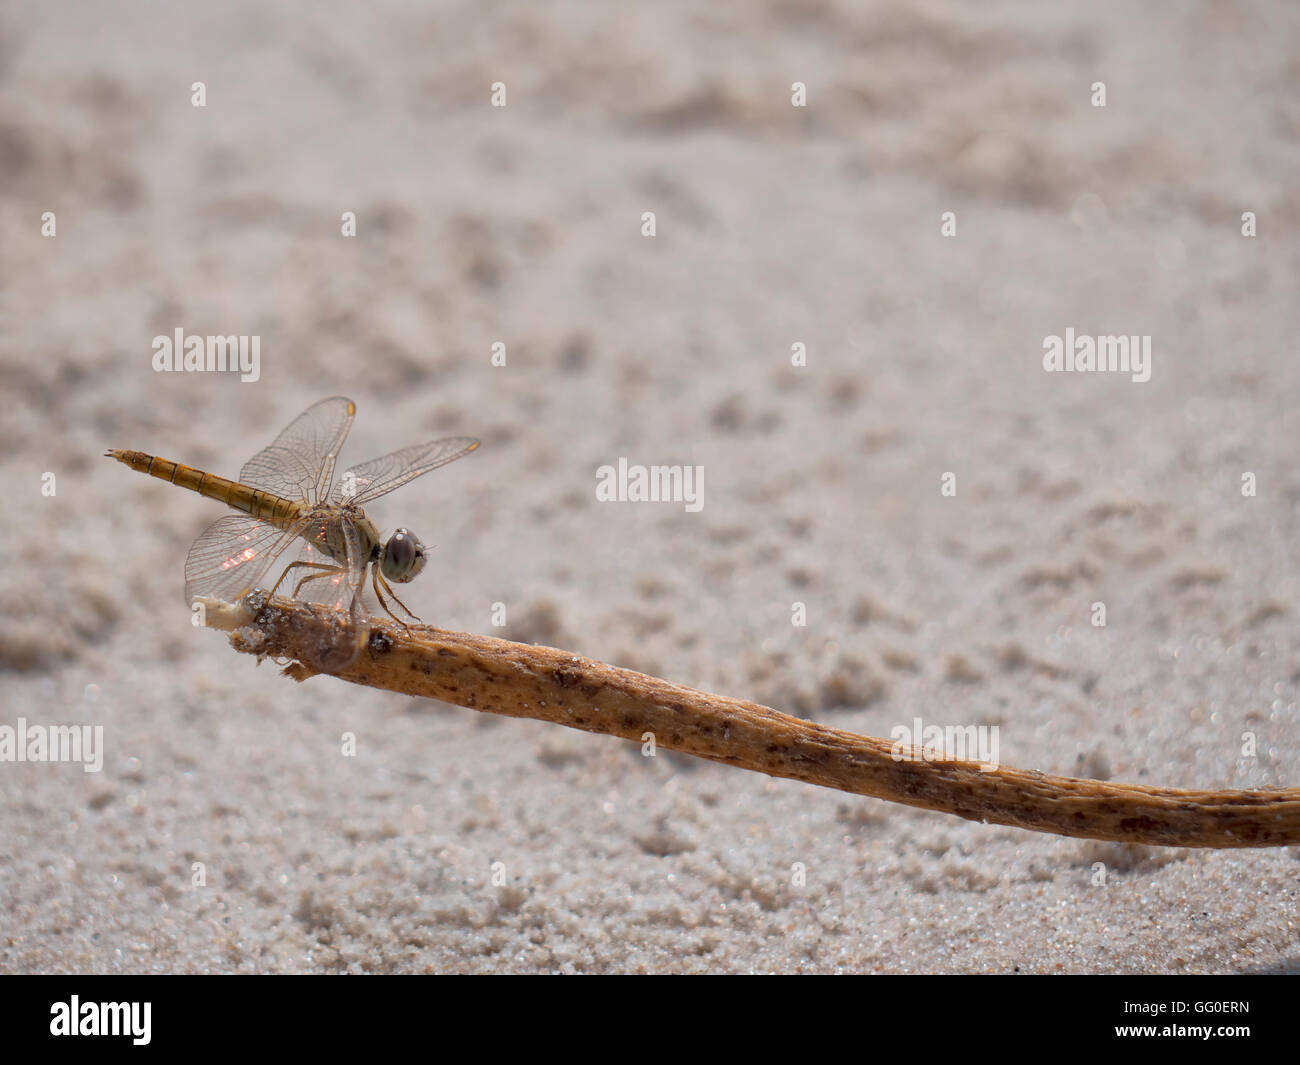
228,831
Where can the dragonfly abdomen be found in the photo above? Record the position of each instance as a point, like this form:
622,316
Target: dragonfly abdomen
265,506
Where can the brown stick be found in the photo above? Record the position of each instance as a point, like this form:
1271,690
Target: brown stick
522,680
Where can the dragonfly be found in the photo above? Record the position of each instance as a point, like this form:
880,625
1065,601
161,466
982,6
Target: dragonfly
288,499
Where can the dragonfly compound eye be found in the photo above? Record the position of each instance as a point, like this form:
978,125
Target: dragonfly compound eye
403,556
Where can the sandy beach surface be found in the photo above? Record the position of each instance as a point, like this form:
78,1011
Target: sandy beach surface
228,832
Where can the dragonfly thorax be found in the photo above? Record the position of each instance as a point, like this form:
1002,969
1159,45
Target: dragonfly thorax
399,560
325,532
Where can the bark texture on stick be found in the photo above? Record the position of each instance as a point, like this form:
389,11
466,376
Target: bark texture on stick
522,680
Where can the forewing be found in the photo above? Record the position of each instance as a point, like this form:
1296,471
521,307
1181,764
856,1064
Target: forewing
300,464
380,476
232,556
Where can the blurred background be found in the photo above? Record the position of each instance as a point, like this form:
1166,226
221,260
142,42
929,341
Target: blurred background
775,225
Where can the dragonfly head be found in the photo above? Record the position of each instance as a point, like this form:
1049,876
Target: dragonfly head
403,556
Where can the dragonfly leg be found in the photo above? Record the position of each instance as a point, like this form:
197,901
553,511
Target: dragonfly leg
377,579
329,572
298,565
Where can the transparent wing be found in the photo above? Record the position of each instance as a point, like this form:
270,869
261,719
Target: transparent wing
378,477
300,464
334,578
232,556
323,577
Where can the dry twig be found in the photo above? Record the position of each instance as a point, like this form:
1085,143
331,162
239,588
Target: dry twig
522,680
